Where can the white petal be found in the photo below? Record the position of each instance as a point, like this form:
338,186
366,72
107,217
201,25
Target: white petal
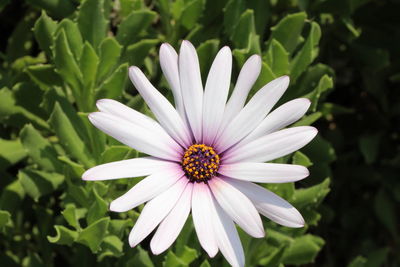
192,88
269,204
237,206
120,110
169,66
147,189
264,172
137,137
253,113
281,117
247,77
215,93
272,146
155,211
172,225
227,237
127,168
161,107
202,220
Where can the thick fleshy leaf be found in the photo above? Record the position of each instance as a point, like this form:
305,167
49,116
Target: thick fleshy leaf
147,189
281,117
269,204
272,146
202,220
237,206
215,93
226,236
136,136
247,77
169,66
127,168
264,172
253,113
155,211
191,86
93,235
172,225
161,107
92,22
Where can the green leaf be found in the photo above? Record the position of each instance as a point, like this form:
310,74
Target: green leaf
20,41
278,58
311,196
11,152
141,259
130,28
110,51
115,153
301,159
137,52
188,255
205,263
70,215
88,64
12,196
369,147
73,36
64,236
40,149
98,209
93,235
68,136
307,53
44,29
39,183
288,31
92,22
244,30
44,76
265,77
59,9
111,246
66,65
303,250
386,212
358,261
232,12
191,13
113,87
117,227
206,52
324,84
5,217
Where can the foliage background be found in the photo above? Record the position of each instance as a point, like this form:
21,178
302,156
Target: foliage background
58,57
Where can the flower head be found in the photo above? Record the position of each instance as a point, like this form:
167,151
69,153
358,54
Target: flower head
205,153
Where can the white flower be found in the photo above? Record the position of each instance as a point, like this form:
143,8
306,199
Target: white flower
205,154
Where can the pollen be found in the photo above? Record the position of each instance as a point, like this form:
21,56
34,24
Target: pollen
200,163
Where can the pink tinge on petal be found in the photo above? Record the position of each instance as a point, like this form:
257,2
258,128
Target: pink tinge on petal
201,205
147,189
237,206
172,225
155,211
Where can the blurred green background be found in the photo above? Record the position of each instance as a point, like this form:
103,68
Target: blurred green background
59,56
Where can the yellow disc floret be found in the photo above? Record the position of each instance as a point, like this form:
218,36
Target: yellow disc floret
200,163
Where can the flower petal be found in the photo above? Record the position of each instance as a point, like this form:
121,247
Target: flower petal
201,205
126,168
120,110
281,117
247,77
237,206
192,88
227,237
215,93
272,146
147,189
172,225
169,66
253,113
269,204
264,172
137,137
155,211
161,107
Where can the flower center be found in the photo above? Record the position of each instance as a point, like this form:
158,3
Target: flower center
200,163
